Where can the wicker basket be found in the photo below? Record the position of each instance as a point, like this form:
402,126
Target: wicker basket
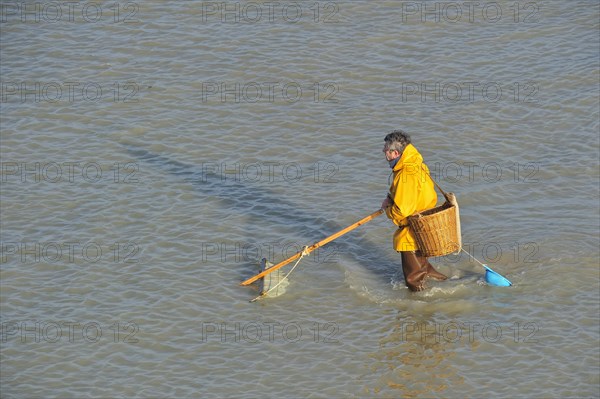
436,230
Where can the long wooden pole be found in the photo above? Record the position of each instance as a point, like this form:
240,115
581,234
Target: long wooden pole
314,246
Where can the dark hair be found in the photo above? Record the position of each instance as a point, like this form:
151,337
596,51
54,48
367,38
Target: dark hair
397,140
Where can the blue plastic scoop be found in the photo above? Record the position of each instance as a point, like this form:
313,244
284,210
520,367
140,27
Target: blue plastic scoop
493,278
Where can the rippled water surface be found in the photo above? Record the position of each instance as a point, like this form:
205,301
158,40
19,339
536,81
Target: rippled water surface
153,152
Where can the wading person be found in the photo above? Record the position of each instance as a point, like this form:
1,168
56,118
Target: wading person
411,191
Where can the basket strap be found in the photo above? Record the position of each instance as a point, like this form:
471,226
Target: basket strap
437,185
434,182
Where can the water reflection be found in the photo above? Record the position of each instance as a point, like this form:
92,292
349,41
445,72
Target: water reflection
415,359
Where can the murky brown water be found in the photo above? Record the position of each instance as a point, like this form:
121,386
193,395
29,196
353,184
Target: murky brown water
153,151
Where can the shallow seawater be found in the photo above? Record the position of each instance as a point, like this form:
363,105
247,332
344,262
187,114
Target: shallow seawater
154,152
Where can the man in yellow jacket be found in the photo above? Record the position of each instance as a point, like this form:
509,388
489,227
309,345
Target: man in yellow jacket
411,191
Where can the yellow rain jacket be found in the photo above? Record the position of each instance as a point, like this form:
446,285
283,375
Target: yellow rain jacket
411,191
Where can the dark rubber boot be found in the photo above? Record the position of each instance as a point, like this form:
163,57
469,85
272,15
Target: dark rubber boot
434,274
414,269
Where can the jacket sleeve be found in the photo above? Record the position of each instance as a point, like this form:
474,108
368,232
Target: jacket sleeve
404,198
